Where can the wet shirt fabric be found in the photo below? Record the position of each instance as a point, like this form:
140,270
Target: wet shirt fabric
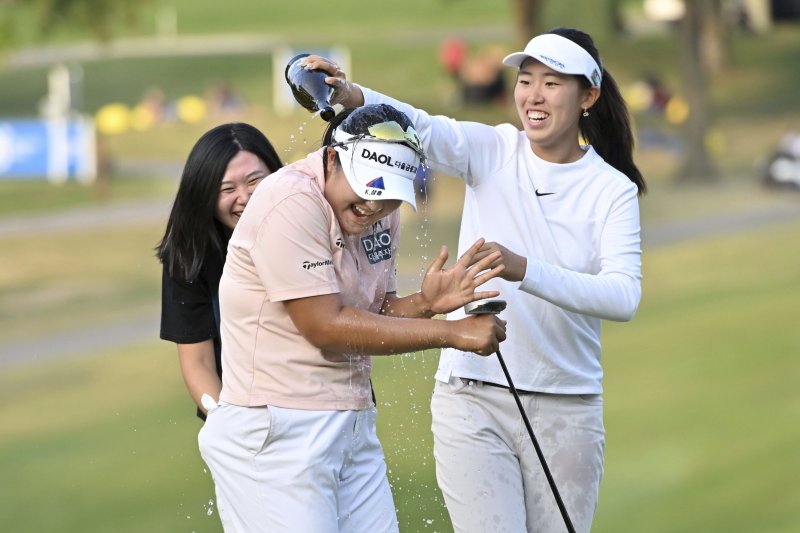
288,245
578,226
190,309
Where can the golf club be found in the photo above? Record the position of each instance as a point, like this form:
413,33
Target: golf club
494,307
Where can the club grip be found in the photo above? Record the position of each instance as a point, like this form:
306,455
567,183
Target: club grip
485,307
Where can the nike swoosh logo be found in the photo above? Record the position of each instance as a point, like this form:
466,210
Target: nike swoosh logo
543,193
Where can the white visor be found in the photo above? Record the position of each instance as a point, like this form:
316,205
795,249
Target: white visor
378,170
560,54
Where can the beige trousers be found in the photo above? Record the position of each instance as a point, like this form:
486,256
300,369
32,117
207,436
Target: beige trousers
487,467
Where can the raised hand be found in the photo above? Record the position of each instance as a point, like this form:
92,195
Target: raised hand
446,289
344,92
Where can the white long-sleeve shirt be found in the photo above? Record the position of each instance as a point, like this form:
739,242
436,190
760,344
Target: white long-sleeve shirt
578,226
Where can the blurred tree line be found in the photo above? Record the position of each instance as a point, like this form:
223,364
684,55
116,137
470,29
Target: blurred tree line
701,34
99,17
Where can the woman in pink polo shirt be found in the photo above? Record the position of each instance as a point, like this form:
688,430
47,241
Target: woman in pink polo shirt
307,296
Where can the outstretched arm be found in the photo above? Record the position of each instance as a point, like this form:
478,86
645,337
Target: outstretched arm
327,324
449,144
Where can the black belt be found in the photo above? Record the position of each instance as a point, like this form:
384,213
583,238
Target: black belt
497,385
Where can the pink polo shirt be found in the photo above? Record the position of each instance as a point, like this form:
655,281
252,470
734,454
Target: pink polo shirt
288,245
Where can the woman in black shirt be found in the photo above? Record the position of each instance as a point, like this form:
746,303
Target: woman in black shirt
222,170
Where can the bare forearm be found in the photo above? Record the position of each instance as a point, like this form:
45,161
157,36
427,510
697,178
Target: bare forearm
411,306
199,370
330,326
357,331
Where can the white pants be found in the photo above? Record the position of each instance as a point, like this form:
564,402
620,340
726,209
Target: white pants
292,470
487,467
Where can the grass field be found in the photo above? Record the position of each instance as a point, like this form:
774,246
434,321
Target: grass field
701,408
700,412
64,281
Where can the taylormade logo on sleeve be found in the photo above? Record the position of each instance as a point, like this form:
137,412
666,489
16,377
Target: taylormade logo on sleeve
308,265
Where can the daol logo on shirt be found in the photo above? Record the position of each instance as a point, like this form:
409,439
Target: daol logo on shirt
378,246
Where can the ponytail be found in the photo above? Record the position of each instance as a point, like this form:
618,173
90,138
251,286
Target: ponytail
608,126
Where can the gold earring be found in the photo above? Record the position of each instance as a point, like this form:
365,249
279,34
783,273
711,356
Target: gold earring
585,113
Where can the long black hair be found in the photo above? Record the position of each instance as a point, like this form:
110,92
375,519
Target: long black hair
192,229
608,126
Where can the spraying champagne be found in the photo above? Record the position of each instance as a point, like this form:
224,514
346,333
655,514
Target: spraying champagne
309,88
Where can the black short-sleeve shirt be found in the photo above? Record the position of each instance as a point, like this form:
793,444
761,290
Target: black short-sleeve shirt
190,309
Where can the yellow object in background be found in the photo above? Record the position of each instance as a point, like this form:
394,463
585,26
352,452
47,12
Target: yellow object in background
638,96
113,119
191,109
142,118
677,110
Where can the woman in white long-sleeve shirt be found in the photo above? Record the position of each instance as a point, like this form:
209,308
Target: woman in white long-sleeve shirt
565,218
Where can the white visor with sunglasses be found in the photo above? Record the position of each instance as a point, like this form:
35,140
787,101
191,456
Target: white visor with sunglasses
381,165
561,55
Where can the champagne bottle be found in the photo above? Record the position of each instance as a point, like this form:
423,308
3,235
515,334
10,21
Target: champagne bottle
309,88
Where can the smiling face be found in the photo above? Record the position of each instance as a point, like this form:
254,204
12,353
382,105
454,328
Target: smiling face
549,105
245,170
354,214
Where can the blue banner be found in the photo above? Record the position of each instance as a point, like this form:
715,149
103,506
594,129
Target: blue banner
56,150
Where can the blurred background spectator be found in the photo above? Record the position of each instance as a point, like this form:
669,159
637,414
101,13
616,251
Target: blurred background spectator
479,77
783,167
223,100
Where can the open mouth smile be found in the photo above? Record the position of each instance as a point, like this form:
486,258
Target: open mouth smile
537,116
361,213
